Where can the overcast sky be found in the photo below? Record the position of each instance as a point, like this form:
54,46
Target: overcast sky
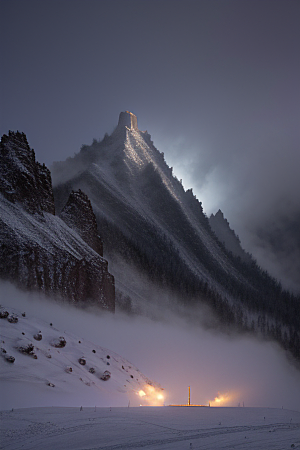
215,82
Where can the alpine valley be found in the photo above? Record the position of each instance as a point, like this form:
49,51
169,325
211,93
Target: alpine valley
165,255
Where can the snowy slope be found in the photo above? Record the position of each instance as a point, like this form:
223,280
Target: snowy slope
163,428
63,369
151,227
39,250
50,233
131,186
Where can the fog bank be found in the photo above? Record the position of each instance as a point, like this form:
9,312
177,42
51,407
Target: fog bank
237,370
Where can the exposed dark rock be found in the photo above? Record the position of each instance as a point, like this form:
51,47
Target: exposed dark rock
92,370
38,250
22,179
27,350
127,119
105,376
38,336
6,356
78,214
82,361
58,343
12,319
4,314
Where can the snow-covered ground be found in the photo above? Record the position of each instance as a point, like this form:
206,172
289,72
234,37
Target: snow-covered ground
45,405
164,428
223,370
41,365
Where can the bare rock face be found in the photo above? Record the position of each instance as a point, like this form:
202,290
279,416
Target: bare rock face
22,179
129,120
79,215
40,251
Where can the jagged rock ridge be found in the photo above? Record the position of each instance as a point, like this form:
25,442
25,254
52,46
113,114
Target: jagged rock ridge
60,256
22,178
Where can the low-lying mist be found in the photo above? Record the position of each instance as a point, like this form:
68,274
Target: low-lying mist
222,370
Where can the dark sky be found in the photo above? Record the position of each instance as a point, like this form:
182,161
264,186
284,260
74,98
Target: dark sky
215,82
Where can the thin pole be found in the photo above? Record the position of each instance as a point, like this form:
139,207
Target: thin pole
189,396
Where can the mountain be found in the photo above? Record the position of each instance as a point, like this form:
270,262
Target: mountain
161,246
61,256
227,236
41,365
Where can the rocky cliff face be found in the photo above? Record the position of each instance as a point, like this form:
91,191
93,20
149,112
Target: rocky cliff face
129,120
60,256
78,214
22,179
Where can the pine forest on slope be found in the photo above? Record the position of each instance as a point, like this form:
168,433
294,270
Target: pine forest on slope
152,228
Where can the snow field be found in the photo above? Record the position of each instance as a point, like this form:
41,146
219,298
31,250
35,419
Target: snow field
62,369
165,428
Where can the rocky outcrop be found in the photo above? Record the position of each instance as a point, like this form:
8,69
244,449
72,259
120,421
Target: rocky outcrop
129,120
78,214
22,179
39,250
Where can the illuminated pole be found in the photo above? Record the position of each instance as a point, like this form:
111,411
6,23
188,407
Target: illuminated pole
189,403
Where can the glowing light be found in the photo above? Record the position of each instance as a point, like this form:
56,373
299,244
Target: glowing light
151,395
221,399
